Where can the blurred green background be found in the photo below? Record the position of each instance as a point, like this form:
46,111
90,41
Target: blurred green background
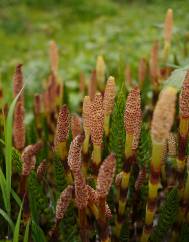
121,30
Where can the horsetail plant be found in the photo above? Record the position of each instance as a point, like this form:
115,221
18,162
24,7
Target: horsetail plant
38,114
61,207
108,103
96,129
61,138
29,160
92,86
54,64
18,124
54,58
41,169
76,125
171,166
86,128
162,121
183,131
100,72
154,70
132,121
63,170
81,191
142,71
104,182
168,29
86,122
184,201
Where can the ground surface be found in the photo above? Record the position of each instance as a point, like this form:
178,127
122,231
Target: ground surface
123,32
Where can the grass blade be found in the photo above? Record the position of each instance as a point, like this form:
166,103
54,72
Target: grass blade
8,149
26,234
17,227
2,141
16,197
37,233
7,218
3,189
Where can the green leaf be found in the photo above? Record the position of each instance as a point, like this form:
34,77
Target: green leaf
26,234
17,227
176,78
7,218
